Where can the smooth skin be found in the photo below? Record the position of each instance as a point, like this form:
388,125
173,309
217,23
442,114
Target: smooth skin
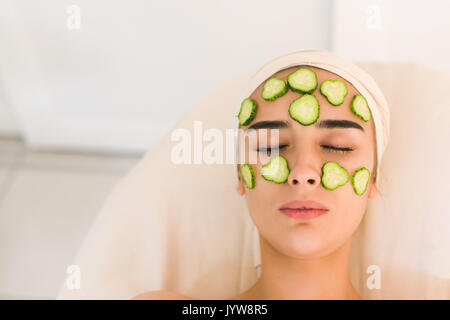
305,259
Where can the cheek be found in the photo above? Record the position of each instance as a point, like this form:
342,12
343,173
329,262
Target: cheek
263,199
261,195
364,157
349,209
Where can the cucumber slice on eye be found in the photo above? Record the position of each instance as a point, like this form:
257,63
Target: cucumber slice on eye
276,170
305,109
273,89
248,175
360,107
334,90
303,80
360,180
247,112
333,175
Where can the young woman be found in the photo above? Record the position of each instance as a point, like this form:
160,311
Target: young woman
305,254
306,214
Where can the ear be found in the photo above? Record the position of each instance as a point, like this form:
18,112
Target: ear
240,188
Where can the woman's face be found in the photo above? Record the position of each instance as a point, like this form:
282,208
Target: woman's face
305,150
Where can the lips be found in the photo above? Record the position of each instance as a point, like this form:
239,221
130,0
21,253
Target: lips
304,209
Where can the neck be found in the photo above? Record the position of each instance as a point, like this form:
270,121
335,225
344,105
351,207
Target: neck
284,277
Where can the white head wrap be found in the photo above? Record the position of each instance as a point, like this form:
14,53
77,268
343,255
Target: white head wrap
360,79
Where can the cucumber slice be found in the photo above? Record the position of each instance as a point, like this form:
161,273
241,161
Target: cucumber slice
248,175
360,180
303,80
333,175
305,109
247,112
276,170
274,88
360,107
334,90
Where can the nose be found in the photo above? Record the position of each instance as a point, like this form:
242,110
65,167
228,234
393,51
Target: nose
304,174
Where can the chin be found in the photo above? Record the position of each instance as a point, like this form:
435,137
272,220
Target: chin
308,246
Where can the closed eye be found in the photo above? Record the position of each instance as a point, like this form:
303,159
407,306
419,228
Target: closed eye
337,149
327,147
270,149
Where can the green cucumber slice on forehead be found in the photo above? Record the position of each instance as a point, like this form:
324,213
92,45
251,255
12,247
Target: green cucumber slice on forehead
305,109
334,90
303,80
360,107
333,175
247,112
360,180
273,89
276,170
248,175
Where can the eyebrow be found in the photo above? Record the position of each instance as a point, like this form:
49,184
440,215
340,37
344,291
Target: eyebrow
328,124
333,123
269,124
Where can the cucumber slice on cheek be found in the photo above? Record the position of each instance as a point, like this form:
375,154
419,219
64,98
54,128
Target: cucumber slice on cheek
273,89
360,180
333,175
305,109
360,107
248,175
303,80
334,90
276,170
247,112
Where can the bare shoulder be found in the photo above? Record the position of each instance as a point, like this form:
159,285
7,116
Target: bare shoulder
161,295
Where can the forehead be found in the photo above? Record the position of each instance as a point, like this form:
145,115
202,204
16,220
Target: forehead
278,109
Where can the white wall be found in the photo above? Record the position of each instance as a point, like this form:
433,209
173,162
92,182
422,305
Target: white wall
123,79
8,121
400,30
